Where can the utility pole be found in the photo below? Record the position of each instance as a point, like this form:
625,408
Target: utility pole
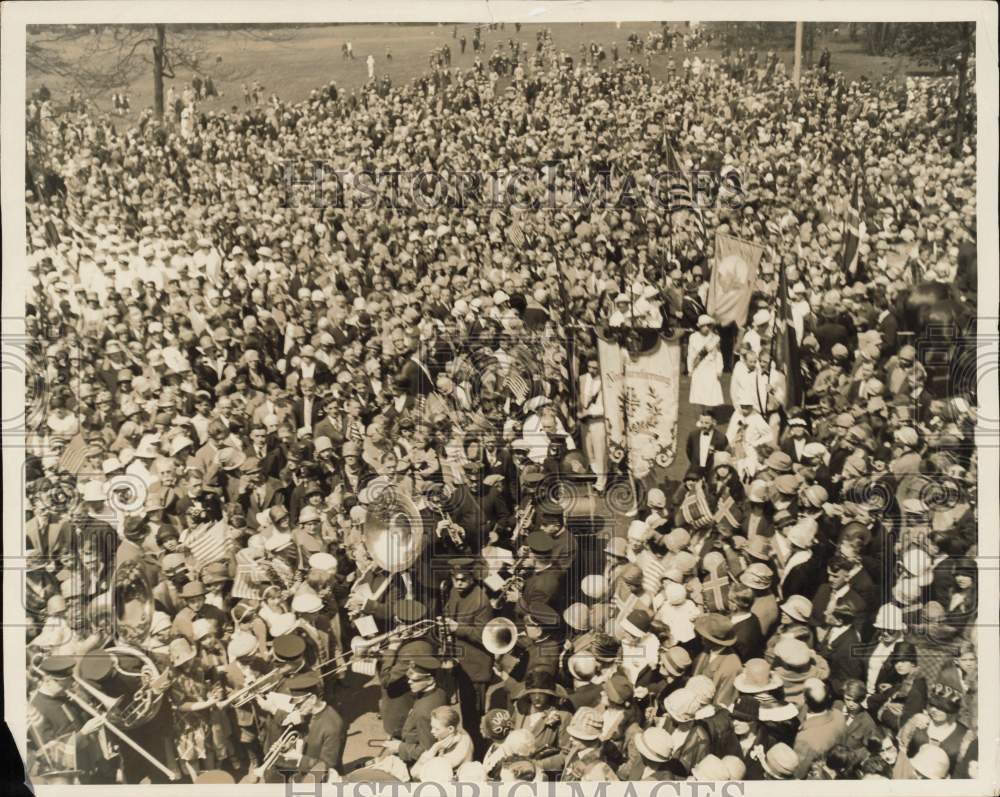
797,69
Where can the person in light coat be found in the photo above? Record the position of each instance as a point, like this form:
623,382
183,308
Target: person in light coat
592,418
704,362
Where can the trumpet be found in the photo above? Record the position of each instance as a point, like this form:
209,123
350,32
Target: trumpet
455,532
523,522
108,704
512,587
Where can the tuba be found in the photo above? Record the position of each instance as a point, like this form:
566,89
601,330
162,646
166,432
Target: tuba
394,531
500,636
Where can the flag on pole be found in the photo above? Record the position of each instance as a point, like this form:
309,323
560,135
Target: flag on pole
788,347
679,196
734,275
854,232
208,545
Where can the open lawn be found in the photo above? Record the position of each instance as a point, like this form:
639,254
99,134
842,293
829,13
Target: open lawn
290,62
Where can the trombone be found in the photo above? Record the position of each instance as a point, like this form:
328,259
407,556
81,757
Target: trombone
108,703
361,647
256,688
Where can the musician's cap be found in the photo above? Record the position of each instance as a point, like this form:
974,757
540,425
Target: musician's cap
693,474
410,611
306,603
798,422
58,666
463,564
289,647
423,666
542,614
303,684
193,589
540,542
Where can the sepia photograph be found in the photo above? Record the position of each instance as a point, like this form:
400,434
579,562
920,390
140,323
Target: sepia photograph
528,399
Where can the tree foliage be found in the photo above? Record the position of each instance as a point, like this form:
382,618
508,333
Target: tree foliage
96,59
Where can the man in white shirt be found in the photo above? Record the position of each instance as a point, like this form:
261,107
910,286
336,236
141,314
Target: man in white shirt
743,386
592,417
746,433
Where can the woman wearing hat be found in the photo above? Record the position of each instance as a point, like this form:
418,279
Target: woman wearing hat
704,364
495,727
538,709
939,725
192,698
582,746
650,760
690,741
904,693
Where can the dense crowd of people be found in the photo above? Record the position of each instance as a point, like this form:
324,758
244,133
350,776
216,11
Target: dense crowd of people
245,395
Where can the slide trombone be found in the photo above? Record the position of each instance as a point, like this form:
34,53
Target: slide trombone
256,688
109,703
361,647
288,739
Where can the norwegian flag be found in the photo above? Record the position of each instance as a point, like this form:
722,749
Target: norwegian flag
854,232
208,545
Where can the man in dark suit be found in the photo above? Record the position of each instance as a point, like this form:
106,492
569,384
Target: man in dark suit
543,585
841,644
414,378
308,408
466,612
260,491
416,736
477,508
703,441
270,455
750,642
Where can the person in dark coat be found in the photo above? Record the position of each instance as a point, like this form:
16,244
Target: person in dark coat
840,644
750,640
416,736
326,736
466,613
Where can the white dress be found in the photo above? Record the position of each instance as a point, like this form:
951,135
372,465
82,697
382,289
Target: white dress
706,389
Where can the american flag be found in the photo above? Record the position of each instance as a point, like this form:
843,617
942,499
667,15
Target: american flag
680,198
74,455
207,546
518,386
695,510
248,576
854,232
515,233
